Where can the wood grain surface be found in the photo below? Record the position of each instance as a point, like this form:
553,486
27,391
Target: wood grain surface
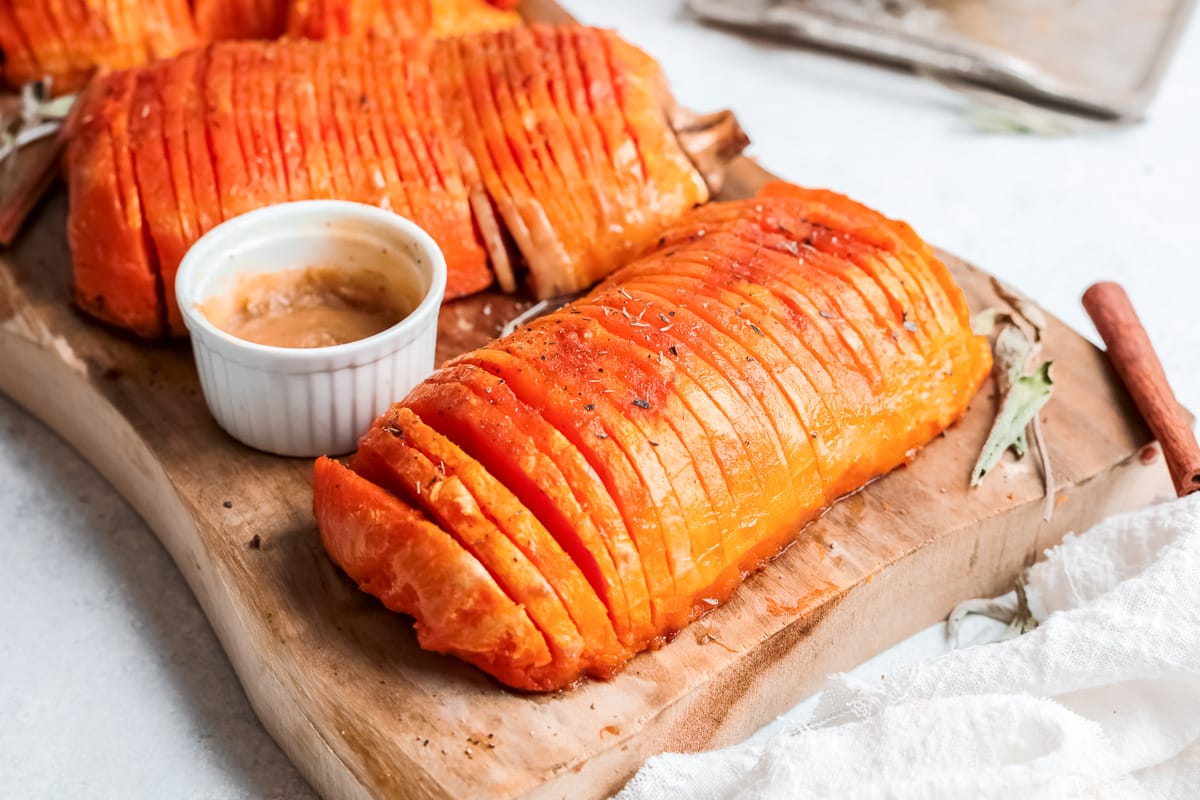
363,712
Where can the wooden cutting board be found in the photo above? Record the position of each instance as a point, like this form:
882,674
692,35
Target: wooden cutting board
363,712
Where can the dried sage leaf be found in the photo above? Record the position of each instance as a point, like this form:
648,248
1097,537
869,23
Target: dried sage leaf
1024,308
984,323
1018,620
1025,398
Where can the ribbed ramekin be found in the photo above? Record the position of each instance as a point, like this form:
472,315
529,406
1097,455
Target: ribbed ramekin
309,401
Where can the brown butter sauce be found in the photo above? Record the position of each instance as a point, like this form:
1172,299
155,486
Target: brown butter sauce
310,307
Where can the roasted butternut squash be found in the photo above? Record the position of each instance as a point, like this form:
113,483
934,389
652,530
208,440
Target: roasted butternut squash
44,39
481,140
677,427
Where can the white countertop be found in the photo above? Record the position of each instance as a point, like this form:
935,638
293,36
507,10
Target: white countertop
112,683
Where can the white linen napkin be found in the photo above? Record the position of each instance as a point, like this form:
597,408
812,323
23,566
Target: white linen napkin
1102,700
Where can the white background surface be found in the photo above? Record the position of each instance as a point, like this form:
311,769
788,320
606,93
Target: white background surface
111,682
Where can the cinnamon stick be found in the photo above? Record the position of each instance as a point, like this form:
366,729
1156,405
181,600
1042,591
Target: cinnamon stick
1133,357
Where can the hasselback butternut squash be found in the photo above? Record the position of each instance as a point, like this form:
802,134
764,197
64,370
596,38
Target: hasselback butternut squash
42,39
482,140
676,427
46,39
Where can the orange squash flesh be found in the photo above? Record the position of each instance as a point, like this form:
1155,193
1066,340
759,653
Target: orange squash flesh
714,273
57,20
424,121
528,213
115,277
287,121
792,315
835,459
792,237
563,560
675,432
302,89
594,440
841,399
766,365
156,186
167,27
244,107
389,461
20,60
529,85
701,428
586,166
754,394
68,40
588,513
177,82
842,213
453,17
571,100
828,302
672,184
434,183
584,54
329,19
729,413
347,90
834,292
399,188
572,605
770,263
263,127
485,184
805,226
508,453
173,79
416,568
267,133
586,373
241,19
51,50
525,126
228,162
933,332
328,124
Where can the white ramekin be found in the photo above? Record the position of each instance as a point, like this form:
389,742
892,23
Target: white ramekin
309,402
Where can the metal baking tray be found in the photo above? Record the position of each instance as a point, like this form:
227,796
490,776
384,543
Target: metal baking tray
1103,58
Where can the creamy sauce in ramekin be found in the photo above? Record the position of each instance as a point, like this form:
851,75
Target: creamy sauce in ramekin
309,307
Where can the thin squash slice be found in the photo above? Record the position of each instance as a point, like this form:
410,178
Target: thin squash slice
330,19
115,278
563,570
554,481
389,458
416,568
594,439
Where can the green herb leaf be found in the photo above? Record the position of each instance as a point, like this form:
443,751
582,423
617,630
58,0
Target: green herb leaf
1025,398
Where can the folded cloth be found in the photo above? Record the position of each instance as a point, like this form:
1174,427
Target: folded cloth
1102,700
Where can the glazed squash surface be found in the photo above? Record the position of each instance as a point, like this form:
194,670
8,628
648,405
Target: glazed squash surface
470,137
615,468
67,43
